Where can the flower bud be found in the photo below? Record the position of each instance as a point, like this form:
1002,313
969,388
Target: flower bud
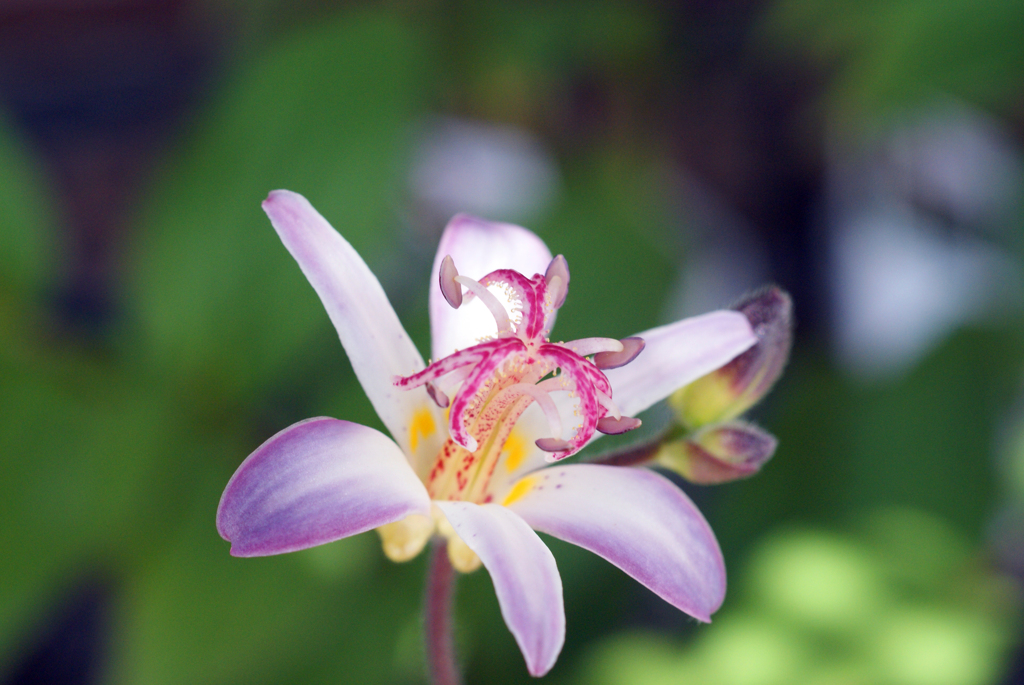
725,393
719,454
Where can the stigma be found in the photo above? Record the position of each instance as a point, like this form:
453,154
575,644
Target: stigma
487,387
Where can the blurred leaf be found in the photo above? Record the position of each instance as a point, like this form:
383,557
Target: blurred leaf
84,483
566,36
195,614
612,225
822,607
926,440
26,222
918,551
894,54
223,305
817,580
640,658
916,646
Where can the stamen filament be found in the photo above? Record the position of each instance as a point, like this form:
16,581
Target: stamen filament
585,347
447,382
487,297
547,405
608,404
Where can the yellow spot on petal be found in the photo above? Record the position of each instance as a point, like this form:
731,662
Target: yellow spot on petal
422,425
515,450
519,490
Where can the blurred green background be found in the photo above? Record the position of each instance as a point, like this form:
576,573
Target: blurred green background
867,156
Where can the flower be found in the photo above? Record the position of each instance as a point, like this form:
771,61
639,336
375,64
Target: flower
475,466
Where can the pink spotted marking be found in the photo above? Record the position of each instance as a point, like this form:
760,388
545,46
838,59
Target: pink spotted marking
502,376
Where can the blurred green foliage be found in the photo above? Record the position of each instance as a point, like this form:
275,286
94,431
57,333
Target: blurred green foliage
893,55
901,600
114,459
27,226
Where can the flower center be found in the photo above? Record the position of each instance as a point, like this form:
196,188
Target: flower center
495,381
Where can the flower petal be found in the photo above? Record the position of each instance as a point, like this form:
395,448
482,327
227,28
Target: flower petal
370,332
637,520
677,354
317,481
478,247
524,574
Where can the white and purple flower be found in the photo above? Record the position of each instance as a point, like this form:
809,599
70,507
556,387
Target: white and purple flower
473,434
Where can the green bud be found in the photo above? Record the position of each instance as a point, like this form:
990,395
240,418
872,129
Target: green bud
724,394
719,454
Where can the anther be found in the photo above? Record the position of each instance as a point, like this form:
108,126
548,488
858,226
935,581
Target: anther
557,269
631,347
553,445
610,425
439,397
447,274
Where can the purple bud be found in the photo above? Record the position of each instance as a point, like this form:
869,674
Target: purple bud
720,454
726,393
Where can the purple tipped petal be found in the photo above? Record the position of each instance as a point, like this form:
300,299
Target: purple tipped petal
314,482
451,290
631,347
638,521
478,247
678,354
374,339
524,574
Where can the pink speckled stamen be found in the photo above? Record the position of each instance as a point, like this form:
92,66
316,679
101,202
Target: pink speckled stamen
495,380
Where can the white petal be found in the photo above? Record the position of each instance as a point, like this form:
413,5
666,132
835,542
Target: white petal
374,339
314,482
637,520
678,354
478,247
524,574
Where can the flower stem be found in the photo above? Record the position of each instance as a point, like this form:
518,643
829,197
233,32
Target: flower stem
437,617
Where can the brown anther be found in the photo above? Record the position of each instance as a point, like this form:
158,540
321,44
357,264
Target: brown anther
451,290
553,445
631,347
610,425
558,267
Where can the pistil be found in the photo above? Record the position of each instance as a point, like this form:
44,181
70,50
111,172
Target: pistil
487,387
